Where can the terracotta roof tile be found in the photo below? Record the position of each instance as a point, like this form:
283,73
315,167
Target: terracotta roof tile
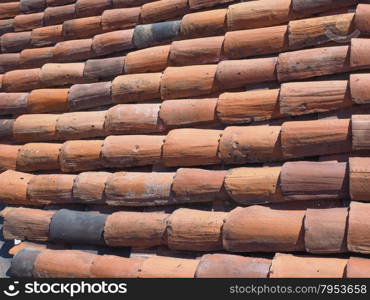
358,268
249,229
293,181
233,266
57,263
288,265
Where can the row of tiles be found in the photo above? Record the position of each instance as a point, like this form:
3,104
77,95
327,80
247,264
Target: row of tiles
99,21
54,263
234,45
293,181
150,13
110,20
248,229
192,25
292,99
193,81
81,8
77,264
194,147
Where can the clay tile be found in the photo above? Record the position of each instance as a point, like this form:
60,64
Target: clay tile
249,186
128,118
232,266
103,68
9,61
38,156
163,10
45,189
109,266
82,28
113,41
46,36
239,73
15,41
89,187
36,57
358,239
362,18
309,138
132,150
8,156
258,228
19,80
139,189
62,74
73,50
321,30
13,187
135,229
59,14
248,107
85,8
6,26
359,168
9,9
297,98
27,224
359,56
13,103
196,51
314,180
181,113
181,82
22,264
360,132
325,230
122,18
191,147
313,62
250,144
28,22
168,267
81,96
136,87
205,23
81,156
28,128
198,230
358,267
47,100
292,266
257,14
359,86
153,59
79,125
197,185
54,263
244,43
30,6
6,129
155,34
